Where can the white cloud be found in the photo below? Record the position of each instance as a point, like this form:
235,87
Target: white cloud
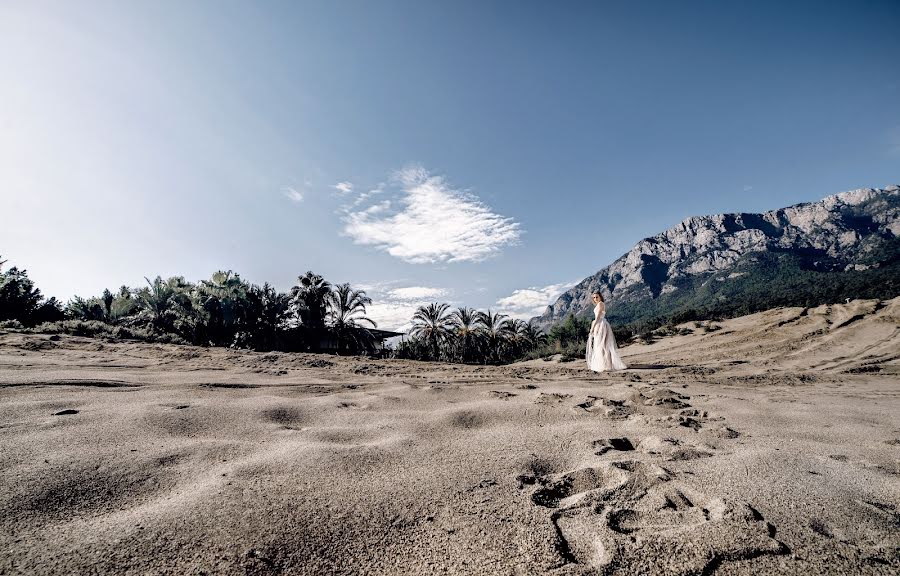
395,316
434,222
526,303
343,187
392,307
747,187
417,293
292,194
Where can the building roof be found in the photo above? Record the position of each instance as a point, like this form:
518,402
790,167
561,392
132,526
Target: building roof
384,333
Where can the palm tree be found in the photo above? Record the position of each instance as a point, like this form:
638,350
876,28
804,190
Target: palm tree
412,348
223,298
90,309
346,314
465,328
268,312
514,337
122,306
431,324
493,327
165,305
310,297
534,336
522,337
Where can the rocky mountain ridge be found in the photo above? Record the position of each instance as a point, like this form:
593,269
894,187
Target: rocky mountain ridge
849,232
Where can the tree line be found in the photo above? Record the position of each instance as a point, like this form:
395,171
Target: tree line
469,336
226,310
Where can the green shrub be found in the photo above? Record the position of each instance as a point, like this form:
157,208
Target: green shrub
96,328
667,330
50,328
574,351
647,337
543,353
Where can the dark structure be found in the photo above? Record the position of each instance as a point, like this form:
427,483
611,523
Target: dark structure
361,344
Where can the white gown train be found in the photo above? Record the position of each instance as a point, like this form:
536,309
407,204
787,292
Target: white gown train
602,353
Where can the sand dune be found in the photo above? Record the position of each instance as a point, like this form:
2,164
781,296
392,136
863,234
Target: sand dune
770,445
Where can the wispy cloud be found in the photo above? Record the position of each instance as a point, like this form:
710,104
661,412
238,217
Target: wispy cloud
363,197
747,187
292,194
428,221
527,303
343,187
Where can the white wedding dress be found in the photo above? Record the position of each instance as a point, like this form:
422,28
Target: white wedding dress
602,354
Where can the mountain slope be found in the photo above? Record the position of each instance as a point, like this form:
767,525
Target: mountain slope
861,336
844,246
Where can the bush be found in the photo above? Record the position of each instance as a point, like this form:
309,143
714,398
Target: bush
542,353
49,328
647,337
667,330
623,334
96,328
11,325
574,351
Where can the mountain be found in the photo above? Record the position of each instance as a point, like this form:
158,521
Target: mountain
844,246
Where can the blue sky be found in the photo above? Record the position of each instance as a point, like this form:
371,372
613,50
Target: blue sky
466,152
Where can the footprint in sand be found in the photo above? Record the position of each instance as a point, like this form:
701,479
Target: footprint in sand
671,448
698,420
671,407
665,398
285,417
674,449
550,398
607,444
625,516
612,409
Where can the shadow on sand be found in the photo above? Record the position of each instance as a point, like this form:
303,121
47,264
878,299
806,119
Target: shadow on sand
652,366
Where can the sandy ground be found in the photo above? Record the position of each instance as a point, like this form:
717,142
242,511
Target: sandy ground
771,445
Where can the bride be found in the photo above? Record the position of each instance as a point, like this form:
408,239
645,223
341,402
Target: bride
602,354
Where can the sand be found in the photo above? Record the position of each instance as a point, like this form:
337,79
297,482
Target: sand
771,445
